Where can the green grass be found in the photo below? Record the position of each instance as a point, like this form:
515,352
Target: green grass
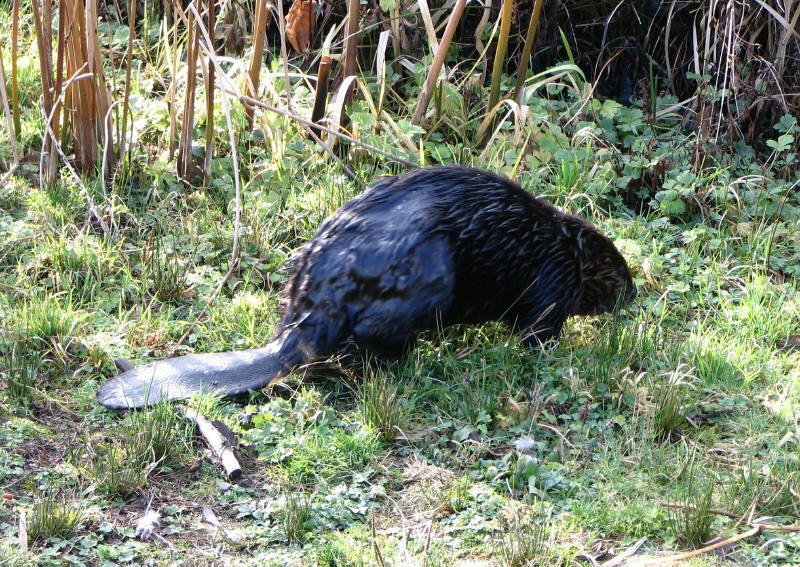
526,537
53,517
471,448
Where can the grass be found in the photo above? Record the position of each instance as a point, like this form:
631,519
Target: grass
20,374
380,405
471,449
53,517
297,516
701,360
526,537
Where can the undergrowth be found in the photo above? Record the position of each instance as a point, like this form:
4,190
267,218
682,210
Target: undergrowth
662,427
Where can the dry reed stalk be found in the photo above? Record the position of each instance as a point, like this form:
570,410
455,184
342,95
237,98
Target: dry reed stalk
530,39
79,99
254,72
45,47
208,76
172,93
284,55
133,5
186,167
101,111
86,102
14,55
499,60
7,112
438,62
351,45
321,93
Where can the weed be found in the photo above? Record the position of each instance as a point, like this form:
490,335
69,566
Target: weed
380,406
149,438
78,266
714,368
59,206
777,495
53,516
671,399
46,323
159,431
163,270
456,496
334,554
20,374
325,453
13,556
117,470
692,520
526,536
297,516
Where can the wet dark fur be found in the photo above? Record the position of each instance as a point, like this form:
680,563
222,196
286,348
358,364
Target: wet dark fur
434,247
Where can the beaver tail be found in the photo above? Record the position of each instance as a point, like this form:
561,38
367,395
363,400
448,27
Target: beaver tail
222,373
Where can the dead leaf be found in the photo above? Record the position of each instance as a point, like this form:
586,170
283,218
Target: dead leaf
300,24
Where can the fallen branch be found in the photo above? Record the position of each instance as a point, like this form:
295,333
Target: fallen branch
716,511
694,553
619,559
776,527
217,443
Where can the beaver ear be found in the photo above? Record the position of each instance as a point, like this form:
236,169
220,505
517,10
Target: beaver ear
590,243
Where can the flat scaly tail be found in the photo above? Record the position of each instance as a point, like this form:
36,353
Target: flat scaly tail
223,373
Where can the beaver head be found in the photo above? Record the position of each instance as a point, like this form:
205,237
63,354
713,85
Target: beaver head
606,281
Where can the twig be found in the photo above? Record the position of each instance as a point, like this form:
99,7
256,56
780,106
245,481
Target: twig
7,175
255,102
777,527
217,443
712,510
375,547
427,550
625,554
237,213
22,537
694,553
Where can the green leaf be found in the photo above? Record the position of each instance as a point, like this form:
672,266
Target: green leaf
673,208
609,108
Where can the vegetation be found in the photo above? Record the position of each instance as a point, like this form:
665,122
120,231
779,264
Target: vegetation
164,210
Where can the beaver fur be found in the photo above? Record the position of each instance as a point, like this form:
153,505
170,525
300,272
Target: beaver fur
434,247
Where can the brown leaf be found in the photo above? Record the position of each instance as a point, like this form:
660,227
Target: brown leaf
300,24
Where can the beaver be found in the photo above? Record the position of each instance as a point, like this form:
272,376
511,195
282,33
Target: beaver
431,248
